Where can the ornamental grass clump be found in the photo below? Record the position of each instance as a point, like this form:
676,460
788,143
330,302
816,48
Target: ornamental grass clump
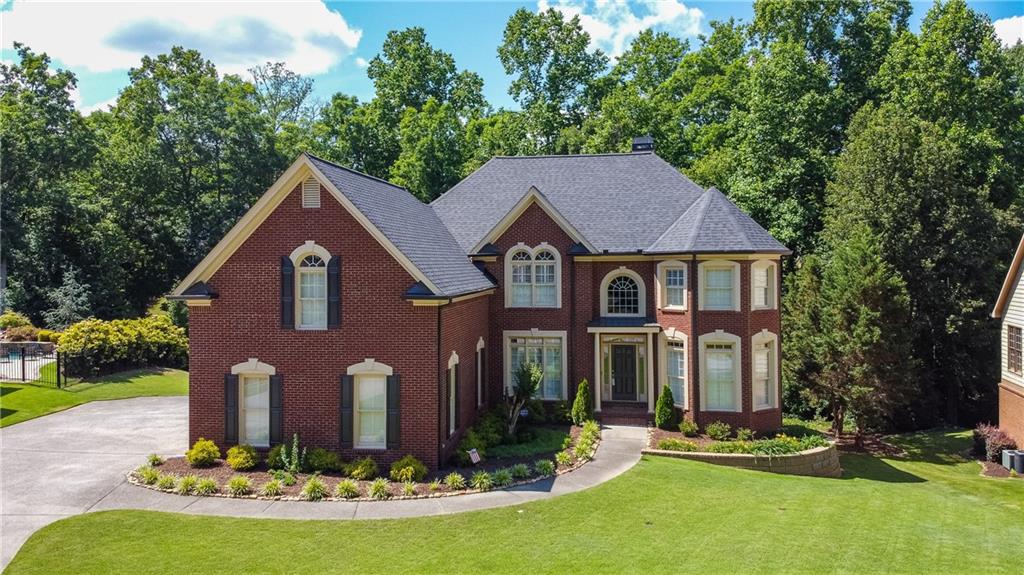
187,485
239,486
379,489
481,480
502,477
166,482
272,488
346,489
718,430
206,486
544,467
408,488
563,458
744,434
434,485
314,489
674,444
148,475
520,471
154,460
455,481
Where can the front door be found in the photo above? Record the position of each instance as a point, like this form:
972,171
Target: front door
624,372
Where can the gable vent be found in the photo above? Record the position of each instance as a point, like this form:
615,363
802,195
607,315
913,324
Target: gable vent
311,193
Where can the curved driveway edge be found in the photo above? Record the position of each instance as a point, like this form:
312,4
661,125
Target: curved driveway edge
85,452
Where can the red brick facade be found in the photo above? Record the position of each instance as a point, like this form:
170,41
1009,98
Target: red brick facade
378,322
1011,411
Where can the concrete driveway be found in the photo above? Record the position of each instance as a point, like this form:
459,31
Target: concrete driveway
64,464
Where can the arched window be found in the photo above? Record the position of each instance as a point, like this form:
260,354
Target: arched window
312,280
534,277
623,293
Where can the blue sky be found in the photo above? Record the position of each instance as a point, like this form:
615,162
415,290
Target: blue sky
331,43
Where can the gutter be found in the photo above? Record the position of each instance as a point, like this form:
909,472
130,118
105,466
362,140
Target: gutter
695,359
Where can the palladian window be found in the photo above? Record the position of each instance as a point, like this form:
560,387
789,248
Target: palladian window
623,296
534,278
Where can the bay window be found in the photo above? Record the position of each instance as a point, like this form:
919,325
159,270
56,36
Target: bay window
720,284
675,370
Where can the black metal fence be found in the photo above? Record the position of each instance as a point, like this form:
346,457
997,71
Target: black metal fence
32,362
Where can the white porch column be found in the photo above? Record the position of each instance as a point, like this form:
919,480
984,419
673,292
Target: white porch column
597,383
649,372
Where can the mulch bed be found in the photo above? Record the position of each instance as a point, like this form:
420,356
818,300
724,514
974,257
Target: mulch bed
873,444
221,472
993,469
655,435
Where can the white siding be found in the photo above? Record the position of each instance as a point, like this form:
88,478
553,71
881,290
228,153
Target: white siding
1014,315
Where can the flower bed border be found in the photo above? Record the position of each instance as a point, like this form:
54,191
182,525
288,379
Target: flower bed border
816,462
132,477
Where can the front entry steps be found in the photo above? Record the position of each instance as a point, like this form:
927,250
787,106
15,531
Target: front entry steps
624,413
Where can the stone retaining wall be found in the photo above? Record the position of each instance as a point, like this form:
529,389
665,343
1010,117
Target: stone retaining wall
817,462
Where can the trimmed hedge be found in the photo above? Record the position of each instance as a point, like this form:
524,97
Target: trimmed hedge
96,347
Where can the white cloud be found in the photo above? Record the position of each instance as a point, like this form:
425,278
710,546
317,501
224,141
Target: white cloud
101,37
361,62
613,24
1010,30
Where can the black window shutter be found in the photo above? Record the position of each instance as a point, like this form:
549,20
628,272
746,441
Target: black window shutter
287,293
347,385
334,292
457,405
230,409
276,409
394,413
483,376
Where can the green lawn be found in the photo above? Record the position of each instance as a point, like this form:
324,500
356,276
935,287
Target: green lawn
19,402
930,512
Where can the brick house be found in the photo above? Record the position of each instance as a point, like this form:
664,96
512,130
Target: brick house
1010,308
343,309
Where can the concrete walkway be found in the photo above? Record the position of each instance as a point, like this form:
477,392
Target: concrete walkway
85,452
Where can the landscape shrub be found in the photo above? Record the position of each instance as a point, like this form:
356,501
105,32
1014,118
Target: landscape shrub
520,471
591,430
319,460
481,480
11,318
408,488
990,441
455,481
812,441
148,475
285,477
154,460
166,482
544,467
665,409
472,440
408,468
346,489
206,486
674,444
242,457
187,485
271,488
744,434
688,428
364,469
729,447
718,430
563,458
203,453
239,486
581,405
292,460
314,489
21,333
379,489
95,347
274,457
44,335
584,449
434,485
502,477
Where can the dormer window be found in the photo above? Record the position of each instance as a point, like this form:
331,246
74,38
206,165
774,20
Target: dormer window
311,193
534,275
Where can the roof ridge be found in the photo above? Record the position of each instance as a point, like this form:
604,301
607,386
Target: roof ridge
605,154
696,205
459,183
356,172
730,205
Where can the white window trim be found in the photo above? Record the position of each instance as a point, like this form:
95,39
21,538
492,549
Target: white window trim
451,377
718,264
760,339
671,335
253,367
368,366
641,296
720,336
773,287
533,251
662,284
480,367
506,337
309,247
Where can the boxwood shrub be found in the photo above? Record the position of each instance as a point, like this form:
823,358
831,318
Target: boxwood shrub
203,453
364,469
242,457
408,468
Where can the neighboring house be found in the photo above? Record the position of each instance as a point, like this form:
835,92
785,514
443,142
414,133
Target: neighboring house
343,309
1010,308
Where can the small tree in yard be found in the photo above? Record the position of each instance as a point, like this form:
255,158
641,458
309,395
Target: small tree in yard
581,405
865,343
665,411
527,381
70,303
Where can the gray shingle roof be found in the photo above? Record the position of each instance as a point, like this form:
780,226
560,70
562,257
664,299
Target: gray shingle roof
618,202
412,226
714,224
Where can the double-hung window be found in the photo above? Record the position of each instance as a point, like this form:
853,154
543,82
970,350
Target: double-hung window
721,377
543,351
762,285
764,368
312,293
1013,349
675,359
371,411
675,287
718,288
534,278
255,410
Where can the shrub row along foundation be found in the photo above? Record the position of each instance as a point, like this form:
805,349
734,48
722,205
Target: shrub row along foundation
817,462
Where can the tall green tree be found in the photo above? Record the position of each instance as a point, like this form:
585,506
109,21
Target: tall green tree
551,68
432,150
280,93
